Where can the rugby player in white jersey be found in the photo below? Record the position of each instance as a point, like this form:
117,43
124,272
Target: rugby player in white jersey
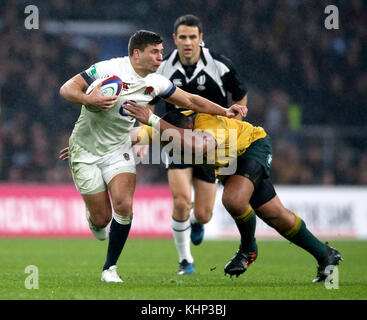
101,158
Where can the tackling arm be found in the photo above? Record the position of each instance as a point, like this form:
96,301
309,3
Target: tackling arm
196,141
197,103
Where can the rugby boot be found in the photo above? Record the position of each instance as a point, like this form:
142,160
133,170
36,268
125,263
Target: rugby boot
240,262
197,233
185,268
110,275
326,267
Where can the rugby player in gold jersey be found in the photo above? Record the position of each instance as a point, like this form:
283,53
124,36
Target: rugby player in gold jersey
241,153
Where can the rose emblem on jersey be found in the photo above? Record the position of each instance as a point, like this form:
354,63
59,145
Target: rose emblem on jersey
126,156
125,86
148,90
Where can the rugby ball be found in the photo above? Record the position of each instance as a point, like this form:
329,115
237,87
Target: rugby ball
111,86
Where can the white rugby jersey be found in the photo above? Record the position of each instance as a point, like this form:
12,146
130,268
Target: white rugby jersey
104,131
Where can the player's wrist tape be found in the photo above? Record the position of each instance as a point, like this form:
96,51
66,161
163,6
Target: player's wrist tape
154,120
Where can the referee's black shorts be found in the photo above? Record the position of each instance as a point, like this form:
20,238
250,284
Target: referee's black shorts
201,173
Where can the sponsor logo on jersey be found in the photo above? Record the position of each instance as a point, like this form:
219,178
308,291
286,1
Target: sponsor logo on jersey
121,110
177,82
91,71
201,81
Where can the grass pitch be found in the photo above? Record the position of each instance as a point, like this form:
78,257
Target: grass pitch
71,269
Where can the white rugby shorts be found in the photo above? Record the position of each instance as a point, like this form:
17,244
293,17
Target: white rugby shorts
91,173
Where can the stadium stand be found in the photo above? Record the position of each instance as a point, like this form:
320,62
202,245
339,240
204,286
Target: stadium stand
307,85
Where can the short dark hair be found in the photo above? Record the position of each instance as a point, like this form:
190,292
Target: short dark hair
177,118
141,39
188,20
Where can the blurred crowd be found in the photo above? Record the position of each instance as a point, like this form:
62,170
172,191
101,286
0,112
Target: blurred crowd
306,85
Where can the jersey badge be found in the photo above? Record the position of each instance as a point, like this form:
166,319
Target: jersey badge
269,159
126,156
148,90
177,82
125,86
201,81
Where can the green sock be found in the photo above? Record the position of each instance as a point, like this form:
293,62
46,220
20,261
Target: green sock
302,237
246,225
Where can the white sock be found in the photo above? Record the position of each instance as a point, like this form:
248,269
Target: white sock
122,219
181,234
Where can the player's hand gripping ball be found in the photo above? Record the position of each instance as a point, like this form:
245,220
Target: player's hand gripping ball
111,86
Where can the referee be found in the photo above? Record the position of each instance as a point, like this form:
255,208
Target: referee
197,70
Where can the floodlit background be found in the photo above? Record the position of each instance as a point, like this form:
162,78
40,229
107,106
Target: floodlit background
306,85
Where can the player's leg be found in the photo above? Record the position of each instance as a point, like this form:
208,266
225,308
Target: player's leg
180,185
122,189
89,182
252,168
205,189
118,170
237,193
294,229
204,200
98,213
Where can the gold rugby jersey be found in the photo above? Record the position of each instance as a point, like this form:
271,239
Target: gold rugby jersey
233,137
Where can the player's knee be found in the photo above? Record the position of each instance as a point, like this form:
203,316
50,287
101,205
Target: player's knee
233,205
101,221
203,220
181,203
123,207
203,215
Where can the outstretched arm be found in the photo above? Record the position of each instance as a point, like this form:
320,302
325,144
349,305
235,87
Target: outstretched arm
197,103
